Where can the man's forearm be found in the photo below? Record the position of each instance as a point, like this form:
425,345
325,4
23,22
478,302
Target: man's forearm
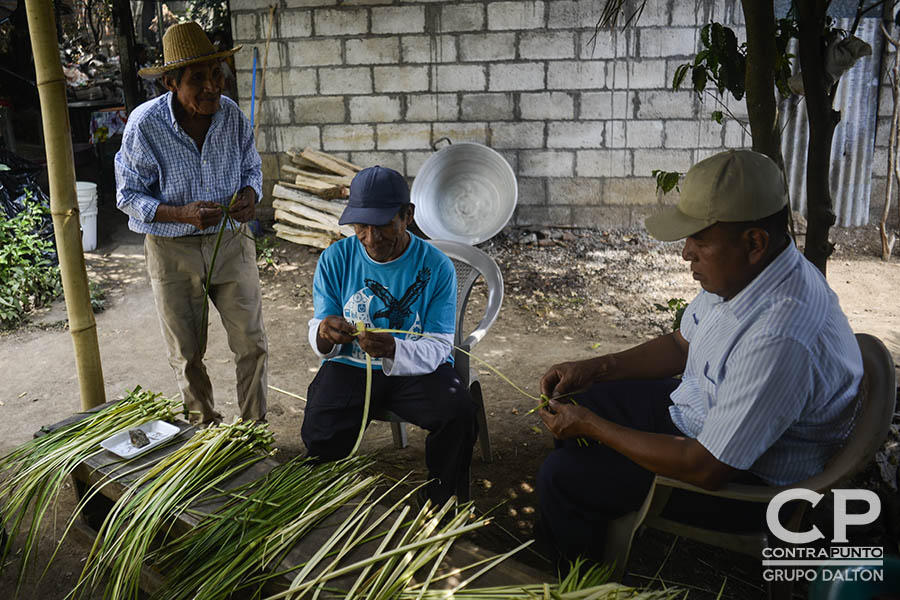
665,356
166,213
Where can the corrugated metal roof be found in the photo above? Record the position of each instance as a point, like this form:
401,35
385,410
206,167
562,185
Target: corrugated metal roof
854,137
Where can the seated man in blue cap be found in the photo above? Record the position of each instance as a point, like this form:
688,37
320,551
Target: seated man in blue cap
386,277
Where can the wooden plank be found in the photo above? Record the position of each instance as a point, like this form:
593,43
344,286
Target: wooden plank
314,186
342,180
296,236
329,163
283,216
298,160
324,221
287,193
337,159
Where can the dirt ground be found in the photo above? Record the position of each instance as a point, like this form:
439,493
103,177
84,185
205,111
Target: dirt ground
569,294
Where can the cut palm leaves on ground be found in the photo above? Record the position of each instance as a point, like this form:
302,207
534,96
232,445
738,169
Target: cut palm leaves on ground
159,495
35,471
260,523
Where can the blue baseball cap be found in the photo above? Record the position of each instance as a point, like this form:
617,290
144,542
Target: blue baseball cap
376,194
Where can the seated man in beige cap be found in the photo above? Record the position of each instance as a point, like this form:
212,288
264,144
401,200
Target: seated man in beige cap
187,156
770,370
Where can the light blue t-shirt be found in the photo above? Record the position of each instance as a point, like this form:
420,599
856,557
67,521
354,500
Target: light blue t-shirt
414,292
772,374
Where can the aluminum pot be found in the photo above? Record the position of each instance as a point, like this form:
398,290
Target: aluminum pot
464,192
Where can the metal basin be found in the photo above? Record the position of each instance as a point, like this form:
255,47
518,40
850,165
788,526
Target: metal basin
465,192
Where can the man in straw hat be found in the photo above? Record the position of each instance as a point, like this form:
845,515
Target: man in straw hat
386,277
769,365
187,157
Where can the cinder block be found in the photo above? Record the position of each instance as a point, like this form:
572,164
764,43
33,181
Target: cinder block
400,79
294,136
545,216
546,163
606,44
314,52
290,24
515,15
243,61
414,162
664,104
880,162
461,132
656,12
606,105
365,2
276,111
275,81
532,191
603,163
575,134
428,48
432,107
483,47
253,4
373,51
885,102
391,160
547,105
244,27
577,14
882,132
573,191
374,109
737,109
512,159
340,22
615,134
735,136
405,136
486,107
516,76
567,75
348,137
668,41
460,78
693,134
348,80
461,17
300,82
645,161
644,134
306,3
630,190
638,74
398,19
690,13
602,217
320,109
554,44
517,135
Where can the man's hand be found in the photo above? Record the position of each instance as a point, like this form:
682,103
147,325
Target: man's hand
566,420
201,214
377,345
575,376
333,330
244,207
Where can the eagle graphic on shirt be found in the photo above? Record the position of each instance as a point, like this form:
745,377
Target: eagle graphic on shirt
396,311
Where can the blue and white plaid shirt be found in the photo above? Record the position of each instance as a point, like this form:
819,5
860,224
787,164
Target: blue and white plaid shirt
771,374
159,163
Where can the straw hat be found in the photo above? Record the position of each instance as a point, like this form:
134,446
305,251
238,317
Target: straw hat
185,44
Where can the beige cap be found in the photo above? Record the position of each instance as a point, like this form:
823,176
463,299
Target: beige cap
185,44
732,186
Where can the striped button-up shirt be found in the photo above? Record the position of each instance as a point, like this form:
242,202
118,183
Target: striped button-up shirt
159,163
771,374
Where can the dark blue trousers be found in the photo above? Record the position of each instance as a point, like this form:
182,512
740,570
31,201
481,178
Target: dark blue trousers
582,488
437,402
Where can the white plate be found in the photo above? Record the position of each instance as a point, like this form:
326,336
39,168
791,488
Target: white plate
157,432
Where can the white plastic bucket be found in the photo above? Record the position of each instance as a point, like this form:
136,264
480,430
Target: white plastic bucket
87,207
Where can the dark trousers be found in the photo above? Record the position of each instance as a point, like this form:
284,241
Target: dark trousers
437,402
582,488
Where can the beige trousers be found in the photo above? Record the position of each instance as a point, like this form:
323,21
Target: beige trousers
178,268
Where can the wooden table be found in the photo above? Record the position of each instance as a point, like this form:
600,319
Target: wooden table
99,467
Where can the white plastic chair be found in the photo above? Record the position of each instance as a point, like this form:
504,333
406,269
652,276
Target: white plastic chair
471,263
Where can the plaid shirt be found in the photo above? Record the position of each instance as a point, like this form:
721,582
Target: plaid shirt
159,163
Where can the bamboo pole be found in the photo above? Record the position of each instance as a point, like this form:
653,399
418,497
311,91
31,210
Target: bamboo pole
51,86
262,78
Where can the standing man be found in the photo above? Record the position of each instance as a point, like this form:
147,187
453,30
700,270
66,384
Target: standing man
770,371
386,277
186,157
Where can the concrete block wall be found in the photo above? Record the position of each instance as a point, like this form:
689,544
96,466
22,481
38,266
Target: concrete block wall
582,119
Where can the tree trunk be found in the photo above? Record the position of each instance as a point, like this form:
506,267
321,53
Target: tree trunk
822,121
759,81
121,10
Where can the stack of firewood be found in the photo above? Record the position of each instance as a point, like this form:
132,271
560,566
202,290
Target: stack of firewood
308,200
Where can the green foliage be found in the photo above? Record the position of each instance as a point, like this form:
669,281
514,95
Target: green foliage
666,181
722,61
675,306
212,15
28,279
265,252
98,297
785,29
717,116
